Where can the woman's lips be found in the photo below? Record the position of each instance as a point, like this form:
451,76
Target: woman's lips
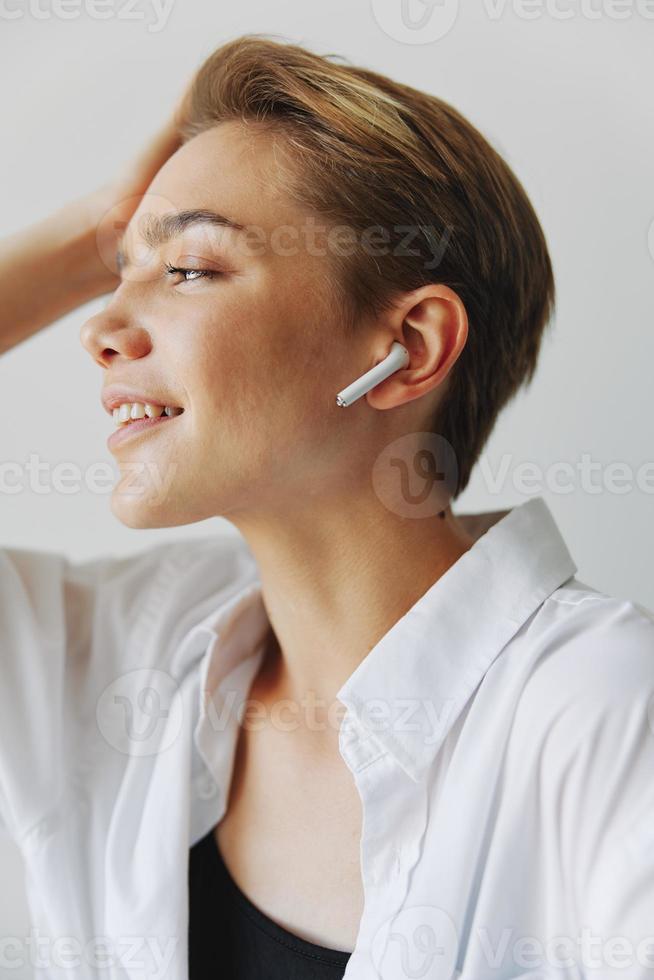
128,429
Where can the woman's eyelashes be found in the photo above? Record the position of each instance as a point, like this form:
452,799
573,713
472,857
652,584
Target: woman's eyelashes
189,275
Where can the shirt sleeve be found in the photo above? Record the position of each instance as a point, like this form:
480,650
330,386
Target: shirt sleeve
621,907
616,893
583,750
66,629
606,797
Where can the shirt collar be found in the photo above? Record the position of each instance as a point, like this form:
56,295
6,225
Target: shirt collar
423,671
411,687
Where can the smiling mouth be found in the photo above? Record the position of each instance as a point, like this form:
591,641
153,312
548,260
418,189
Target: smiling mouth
135,426
145,413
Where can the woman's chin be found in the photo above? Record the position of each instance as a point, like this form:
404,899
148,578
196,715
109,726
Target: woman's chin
145,510
152,506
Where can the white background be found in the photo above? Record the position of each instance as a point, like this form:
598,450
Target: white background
563,90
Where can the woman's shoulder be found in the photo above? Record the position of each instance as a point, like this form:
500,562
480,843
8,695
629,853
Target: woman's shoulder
35,580
110,610
593,650
74,636
584,707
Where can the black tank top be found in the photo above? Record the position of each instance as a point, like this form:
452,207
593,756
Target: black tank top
231,939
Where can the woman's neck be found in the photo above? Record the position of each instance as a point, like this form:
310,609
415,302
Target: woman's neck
332,590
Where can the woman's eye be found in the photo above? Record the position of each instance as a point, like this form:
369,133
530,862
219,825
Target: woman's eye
190,274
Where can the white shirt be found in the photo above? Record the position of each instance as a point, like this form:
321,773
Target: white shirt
501,736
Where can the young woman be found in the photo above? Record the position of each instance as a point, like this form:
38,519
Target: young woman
364,736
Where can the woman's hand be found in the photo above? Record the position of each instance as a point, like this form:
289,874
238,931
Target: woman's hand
110,208
135,177
63,261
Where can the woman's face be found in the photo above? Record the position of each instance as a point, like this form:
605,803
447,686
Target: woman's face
253,351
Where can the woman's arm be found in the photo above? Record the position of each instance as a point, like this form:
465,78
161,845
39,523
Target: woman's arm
47,270
54,266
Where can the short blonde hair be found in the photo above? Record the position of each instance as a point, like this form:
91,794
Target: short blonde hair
370,152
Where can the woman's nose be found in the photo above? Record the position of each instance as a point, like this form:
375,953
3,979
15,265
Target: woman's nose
107,334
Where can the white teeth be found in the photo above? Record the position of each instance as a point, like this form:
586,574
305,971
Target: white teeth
124,413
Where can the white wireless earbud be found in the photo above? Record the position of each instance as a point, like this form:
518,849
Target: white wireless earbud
397,359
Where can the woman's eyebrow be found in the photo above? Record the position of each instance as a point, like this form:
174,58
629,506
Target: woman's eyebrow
157,229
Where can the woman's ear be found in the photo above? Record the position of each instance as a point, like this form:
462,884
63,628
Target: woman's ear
432,323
